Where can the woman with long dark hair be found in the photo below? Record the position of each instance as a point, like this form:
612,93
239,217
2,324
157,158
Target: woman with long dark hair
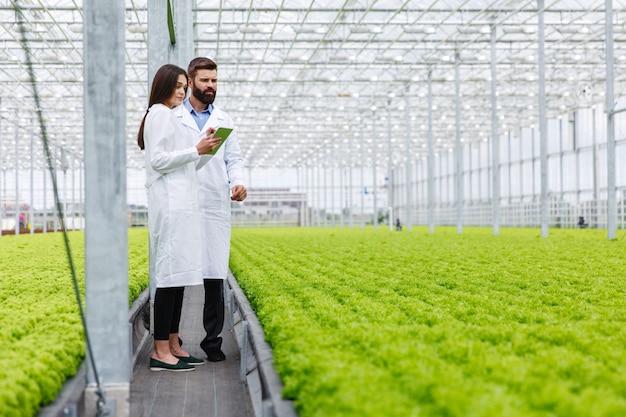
173,216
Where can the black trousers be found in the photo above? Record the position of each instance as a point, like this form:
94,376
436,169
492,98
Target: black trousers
213,314
168,304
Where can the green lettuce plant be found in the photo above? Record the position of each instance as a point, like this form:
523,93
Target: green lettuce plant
42,341
366,323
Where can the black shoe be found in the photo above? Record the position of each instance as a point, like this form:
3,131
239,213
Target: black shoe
156,365
191,360
215,355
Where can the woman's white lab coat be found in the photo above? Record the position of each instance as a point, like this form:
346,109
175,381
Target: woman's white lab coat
172,186
215,180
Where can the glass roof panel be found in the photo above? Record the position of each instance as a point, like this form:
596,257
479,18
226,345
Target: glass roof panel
303,78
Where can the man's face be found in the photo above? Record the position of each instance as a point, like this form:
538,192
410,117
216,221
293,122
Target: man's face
204,85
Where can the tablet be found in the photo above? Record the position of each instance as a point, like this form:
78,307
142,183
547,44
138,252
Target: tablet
222,132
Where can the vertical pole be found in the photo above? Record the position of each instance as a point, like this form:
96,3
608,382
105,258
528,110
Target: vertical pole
479,164
311,185
65,193
314,202
521,175
409,200
55,207
390,181
332,199
594,165
73,211
17,174
350,187
183,51
543,124
2,171
309,196
510,166
319,196
495,142
440,162
362,149
341,194
458,154
610,125
45,201
374,185
561,163
3,193
106,241
158,38
31,210
80,187
305,191
312,194
431,157
160,48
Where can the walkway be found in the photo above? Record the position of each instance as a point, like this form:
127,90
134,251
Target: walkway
212,390
231,388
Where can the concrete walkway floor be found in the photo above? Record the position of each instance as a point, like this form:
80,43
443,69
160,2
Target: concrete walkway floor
211,390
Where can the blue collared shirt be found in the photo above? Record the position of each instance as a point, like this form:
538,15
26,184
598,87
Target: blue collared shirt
200,118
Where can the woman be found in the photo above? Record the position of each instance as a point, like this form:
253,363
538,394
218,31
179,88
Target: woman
173,217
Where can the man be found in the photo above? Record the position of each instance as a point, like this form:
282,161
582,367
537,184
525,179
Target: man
219,182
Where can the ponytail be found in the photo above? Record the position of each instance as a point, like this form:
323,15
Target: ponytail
140,133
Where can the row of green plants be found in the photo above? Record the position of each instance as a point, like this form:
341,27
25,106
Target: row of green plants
42,341
370,323
379,323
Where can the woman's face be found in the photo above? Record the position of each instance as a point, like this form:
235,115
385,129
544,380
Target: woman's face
178,95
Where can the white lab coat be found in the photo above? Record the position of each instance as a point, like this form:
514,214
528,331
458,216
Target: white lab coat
215,181
172,187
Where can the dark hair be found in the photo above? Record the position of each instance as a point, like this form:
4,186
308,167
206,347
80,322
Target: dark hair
200,63
163,86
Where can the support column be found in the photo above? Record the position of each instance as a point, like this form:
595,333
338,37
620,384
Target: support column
17,174
390,181
458,154
106,241
374,185
3,172
31,210
409,198
611,209
495,140
431,157
349,187
362,150
543,124
332,192
162,48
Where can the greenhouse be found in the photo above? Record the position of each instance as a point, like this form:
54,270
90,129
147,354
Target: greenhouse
471,127
373,107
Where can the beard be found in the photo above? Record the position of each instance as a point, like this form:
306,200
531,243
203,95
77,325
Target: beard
207,97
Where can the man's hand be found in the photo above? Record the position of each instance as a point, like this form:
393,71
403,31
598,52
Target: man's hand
239,193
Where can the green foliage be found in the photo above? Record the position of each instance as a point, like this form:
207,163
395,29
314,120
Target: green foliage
138,273
43,341
367,323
